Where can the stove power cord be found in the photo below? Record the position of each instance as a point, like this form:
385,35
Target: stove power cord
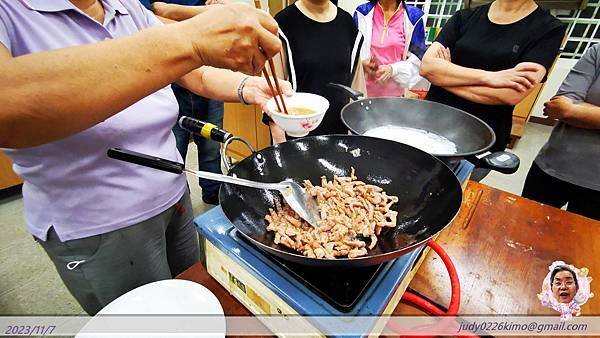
427,306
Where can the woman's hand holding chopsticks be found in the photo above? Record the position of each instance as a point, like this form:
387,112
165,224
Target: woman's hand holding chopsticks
257,91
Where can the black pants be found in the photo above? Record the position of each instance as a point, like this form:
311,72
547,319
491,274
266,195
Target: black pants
550,190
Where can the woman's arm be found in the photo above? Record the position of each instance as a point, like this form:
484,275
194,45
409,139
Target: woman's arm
579,80
277,134
359,82
215,83
178,12
496,96
222,85
44,94
583,115
569,105
442,72
491,96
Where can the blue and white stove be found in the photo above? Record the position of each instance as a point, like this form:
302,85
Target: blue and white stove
267,285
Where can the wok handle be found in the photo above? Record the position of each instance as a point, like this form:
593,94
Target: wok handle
204,129
227,162
352,93
178,168
236,180
501,161
145,160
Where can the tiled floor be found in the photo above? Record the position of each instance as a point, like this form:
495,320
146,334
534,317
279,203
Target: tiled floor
29,283
527,148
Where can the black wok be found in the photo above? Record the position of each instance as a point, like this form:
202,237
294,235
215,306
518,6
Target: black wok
430,194
471,135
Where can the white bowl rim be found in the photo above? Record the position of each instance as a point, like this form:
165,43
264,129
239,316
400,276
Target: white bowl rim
307,116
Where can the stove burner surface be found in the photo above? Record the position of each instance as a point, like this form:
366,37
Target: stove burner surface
341,288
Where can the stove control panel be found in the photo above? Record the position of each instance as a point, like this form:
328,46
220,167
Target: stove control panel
246,288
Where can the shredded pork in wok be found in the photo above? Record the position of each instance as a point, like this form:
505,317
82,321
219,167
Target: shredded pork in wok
352,214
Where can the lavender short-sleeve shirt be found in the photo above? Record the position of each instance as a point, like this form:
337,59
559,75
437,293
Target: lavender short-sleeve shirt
71,184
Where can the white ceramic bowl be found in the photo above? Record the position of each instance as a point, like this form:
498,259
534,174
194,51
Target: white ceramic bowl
166,297
299,125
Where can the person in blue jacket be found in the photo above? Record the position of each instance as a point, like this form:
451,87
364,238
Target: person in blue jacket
394,44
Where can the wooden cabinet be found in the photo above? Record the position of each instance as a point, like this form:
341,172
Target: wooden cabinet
246,122
521,114
7,177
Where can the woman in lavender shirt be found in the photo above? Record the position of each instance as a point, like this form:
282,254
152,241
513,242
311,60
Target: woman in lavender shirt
78,77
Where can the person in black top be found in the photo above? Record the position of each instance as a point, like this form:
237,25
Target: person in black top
487,59
321,44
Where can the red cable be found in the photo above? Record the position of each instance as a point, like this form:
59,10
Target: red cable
427,306
422,304
454,282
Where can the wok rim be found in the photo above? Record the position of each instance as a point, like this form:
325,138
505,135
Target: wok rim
464,154
343,262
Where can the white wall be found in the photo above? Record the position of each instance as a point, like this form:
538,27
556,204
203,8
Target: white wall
350,5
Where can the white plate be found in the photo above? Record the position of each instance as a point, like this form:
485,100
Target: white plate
166,297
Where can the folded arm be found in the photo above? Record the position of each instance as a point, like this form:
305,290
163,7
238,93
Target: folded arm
584,115
444,73
493,96
581,115
576,89
506,87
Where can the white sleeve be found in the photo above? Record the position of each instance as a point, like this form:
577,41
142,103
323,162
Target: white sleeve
406,73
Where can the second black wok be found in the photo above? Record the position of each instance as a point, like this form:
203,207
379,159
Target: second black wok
471,135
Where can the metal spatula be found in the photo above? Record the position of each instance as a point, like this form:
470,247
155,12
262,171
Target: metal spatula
296,197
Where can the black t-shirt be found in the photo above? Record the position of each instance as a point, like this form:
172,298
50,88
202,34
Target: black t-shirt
320,53
476,42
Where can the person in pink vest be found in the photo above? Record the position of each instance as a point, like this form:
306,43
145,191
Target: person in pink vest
394,45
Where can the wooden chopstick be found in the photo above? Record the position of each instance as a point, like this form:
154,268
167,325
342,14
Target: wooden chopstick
272,66
277,89
273,90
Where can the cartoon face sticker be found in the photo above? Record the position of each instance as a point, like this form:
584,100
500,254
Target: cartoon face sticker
564,284
565,288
